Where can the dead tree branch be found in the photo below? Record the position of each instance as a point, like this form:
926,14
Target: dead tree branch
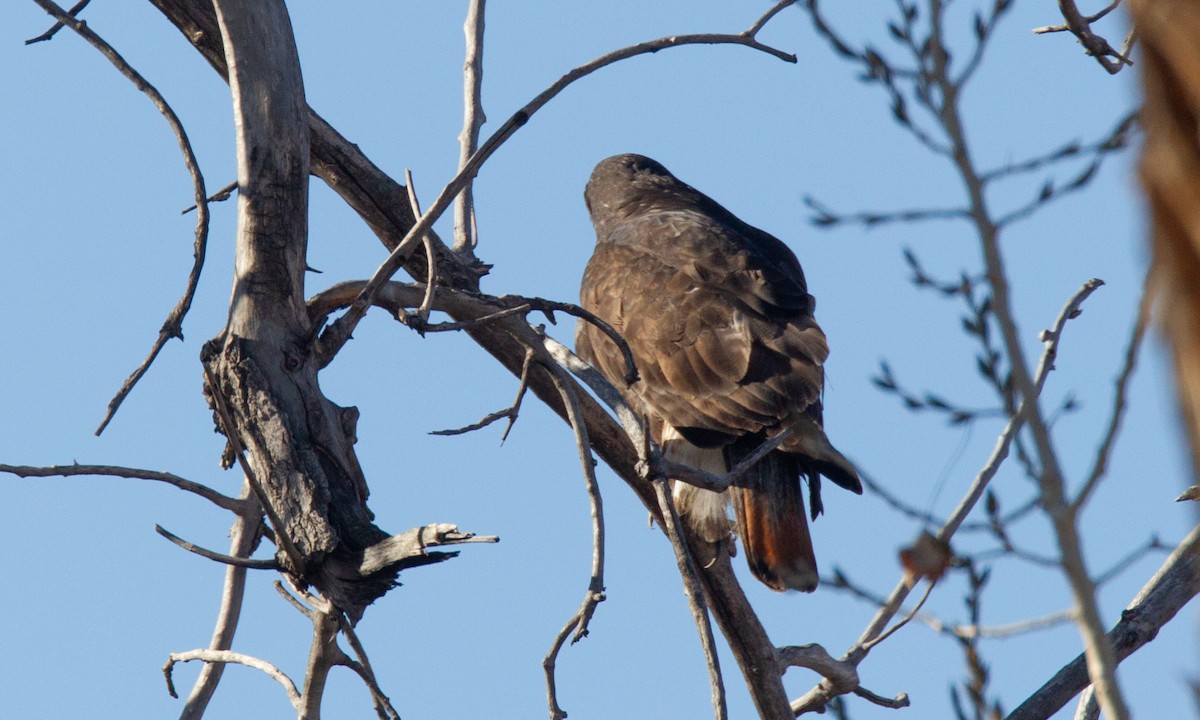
465,238
1175,583
818,697
227,656
240,506
58,25
244,537
173,326
1080,26
338,333
694,593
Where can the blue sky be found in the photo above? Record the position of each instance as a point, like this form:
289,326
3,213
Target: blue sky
94,254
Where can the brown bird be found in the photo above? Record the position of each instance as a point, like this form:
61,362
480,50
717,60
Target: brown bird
720,323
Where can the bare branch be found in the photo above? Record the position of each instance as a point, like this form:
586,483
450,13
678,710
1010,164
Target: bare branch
339,332
408,549
1115,140
904,621
173,326
825,217
244,537
227,656
241,562
1080,26
49,34
293,600
219,196
695,596
240,506
595,592
383,704
1176,582
323,654
1118,410
820,695
510,412
430,256
465,239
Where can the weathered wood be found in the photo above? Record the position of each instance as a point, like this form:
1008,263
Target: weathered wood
383,205
295,440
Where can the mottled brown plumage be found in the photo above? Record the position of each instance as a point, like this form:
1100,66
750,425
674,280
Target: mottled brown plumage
720,323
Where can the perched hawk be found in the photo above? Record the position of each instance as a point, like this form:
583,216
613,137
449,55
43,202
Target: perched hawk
720,323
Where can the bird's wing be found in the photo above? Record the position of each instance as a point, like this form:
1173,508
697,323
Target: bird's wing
721,331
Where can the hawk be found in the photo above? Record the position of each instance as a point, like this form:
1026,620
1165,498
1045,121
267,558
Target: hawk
720,323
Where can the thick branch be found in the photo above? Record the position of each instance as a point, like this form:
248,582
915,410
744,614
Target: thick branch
1175,583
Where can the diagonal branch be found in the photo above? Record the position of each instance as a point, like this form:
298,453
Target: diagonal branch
58,25
1176,582
820,696
340,331
1118,410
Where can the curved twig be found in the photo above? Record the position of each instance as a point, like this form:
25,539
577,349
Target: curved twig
595,592
173,326
228,656
241,562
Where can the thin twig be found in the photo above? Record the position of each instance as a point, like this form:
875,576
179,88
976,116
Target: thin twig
383,704
464,324
694,593
1080,26
293,600
1118,409
338,333
244,537
595,592
74,12
241,562
173,326
895,703
510,412
228,656
235,505
905,620
219,196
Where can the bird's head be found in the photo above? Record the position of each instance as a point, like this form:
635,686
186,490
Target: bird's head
624,185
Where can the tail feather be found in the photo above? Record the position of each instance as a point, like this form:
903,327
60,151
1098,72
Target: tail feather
769,504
